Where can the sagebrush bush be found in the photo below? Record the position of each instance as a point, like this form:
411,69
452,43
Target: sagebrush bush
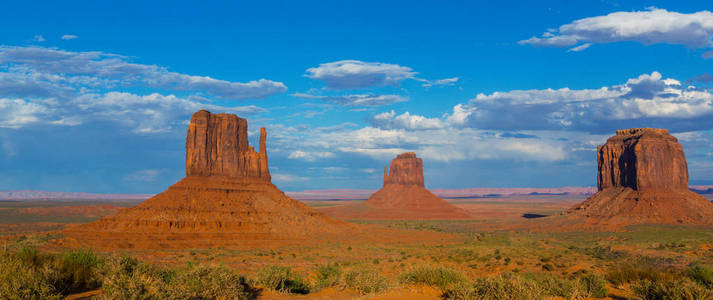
327,276
127,278
365,281
78,270
22,279
441,277
671,289
633,272
282,279
529,286
702,275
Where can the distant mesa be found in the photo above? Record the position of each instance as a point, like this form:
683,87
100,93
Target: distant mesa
226,198
642,179
403,196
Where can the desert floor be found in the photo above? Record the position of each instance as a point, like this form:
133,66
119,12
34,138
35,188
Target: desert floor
485,246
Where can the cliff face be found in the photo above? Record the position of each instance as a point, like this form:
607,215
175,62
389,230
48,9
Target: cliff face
226,199
406,169
217,145
642,179
403,196
642,159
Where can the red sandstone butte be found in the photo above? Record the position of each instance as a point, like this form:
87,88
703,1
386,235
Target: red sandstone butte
226,199
403,196
642,179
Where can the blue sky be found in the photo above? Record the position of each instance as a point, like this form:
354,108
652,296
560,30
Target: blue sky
95,97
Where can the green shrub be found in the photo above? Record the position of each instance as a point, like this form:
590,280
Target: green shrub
78,270
365,281
702,275
530,286
633,272
441,277
671,289
127,278
282,279
206,282
593,286
327,276
22,280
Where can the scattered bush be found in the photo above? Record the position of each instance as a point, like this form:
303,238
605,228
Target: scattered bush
702,275
21,280
327,276
671,289
282,279
365,281
78,270
441,277
633,272
530,286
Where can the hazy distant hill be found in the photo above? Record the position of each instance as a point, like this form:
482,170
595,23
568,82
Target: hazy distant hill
45,195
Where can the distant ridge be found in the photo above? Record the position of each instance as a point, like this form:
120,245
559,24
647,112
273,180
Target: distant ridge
46,195
333,194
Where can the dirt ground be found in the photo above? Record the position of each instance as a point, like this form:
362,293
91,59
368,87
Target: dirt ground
478,247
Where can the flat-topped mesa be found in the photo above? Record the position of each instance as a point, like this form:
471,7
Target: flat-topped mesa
642,159
217,145
406,169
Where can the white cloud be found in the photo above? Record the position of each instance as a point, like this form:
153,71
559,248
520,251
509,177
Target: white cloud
648,100
389,120
15,113
146,175
356,100
310,156
278,177
445,81
105,70
354,74
653,26
69,37
38,38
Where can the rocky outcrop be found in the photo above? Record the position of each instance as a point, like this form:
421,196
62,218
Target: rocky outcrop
642,179
642,159
406,169
403,196
217,145
226,199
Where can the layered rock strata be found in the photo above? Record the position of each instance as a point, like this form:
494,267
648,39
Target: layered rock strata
642,179
403,196
226,199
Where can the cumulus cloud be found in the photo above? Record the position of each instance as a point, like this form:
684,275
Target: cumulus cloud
98,69
354,74
389,120
648,100
42,86
15,113
38,38
69,37
652,26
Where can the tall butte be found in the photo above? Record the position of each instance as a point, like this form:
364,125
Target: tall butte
403,196
226,199
642,179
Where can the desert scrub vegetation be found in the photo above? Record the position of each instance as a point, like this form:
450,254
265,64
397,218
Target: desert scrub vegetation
681,288
127,278
328,275
529,286
438,276
366,281
282,279
30,274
